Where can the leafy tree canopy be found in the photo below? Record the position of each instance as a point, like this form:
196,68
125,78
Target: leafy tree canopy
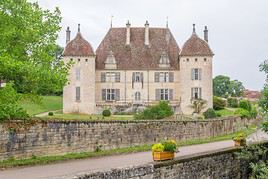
224,87
28,47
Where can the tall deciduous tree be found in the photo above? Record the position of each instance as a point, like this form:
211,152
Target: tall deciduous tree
224,87
28,47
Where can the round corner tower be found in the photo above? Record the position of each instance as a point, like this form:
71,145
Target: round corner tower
196,76
79,92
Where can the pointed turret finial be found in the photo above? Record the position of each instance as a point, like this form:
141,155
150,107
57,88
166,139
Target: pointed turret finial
167,22
193,28
127,24
112,21
146,23
78,27
206,34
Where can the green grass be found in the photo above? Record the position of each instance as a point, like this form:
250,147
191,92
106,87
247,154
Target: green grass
48,103
225,112
53,159
82,117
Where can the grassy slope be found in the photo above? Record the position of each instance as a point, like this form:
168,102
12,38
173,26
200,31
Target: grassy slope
52,159
85,117
226,112
49,103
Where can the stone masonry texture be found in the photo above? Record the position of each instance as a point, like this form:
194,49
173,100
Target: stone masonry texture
42,138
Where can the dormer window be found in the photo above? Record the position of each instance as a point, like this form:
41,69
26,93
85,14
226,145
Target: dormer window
110,62
164,60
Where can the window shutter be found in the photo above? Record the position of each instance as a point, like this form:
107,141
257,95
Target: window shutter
157,94
171,77
103,94
133,79
103,76
117,77
170,94
200,73
142,79
192,93
77,93
200,93
192,73
156,76
117,94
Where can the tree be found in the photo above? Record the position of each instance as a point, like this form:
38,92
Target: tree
221,85
224,87
28,47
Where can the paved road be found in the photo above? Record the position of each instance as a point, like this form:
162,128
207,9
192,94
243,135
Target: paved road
94,164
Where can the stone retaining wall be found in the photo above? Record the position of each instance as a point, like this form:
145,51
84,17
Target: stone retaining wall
60,137
217,164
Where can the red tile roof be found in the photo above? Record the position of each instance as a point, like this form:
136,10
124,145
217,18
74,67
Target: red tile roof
252,94
137,55
78,47
196,46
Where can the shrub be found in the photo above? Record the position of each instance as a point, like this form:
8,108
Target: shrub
240,136
12,112
170,146
243,113
210,113
106,112
245,104
218,103
232,102
159,111
50,113
158,147
254,112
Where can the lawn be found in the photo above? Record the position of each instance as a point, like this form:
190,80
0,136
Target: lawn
48,103
84,117
226,112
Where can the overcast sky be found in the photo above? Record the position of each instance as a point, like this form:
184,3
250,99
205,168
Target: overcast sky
238,29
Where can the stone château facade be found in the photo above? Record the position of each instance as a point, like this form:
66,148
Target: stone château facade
135,67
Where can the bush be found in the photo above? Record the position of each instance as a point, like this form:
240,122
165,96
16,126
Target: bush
232,102
170,146
243,113
158,147
210,113
50,113
254,112
106,113
218,103
245,104
12,112
159,111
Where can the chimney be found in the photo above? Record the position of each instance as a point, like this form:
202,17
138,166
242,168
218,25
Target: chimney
68,35
206,34
128,33
146,37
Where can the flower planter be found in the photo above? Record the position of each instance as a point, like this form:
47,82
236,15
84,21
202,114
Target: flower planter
241,142
160,156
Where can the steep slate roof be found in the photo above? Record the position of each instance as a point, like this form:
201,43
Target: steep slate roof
137,55
78,47
196,46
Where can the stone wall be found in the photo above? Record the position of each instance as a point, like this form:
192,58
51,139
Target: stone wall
217,164
57,137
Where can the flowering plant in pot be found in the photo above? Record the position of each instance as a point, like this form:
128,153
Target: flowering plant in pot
164,150
240,139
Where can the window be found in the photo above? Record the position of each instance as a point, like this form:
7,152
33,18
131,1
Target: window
78,59
137,77
77,93
164,94
164,77
137,96
196,73
86,60
196,93
110,94
187,59
110,77
77,74
205,59
195,59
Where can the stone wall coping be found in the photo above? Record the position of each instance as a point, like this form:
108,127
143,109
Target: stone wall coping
46,120
188,158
